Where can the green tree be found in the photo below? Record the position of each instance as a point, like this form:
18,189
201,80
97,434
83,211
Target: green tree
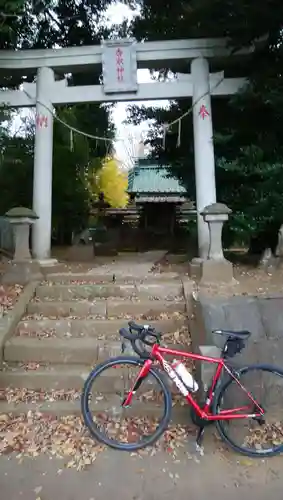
248,127
16,170
71,163
70,197
31,24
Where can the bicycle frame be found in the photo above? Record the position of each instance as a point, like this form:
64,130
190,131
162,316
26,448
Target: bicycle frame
205,412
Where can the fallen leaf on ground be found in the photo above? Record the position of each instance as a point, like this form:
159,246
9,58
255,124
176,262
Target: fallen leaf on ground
246,462
36,433
8,297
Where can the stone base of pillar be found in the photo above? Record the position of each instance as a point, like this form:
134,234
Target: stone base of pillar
22,272
211,271
47,262
195,267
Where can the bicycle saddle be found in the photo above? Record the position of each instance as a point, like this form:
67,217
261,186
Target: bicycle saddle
240,334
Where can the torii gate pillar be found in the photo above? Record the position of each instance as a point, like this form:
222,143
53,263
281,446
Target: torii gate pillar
203,148
42,175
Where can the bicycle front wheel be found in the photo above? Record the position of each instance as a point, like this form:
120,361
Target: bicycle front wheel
254,437
130,428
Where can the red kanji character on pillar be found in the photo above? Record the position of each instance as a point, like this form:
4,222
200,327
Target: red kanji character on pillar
41,121
203,113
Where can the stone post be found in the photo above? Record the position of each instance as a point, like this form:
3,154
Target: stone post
216,268
22,268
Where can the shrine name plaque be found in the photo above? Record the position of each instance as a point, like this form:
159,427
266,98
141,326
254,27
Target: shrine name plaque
119,66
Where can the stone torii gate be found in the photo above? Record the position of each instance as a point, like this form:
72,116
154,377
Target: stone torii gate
120,60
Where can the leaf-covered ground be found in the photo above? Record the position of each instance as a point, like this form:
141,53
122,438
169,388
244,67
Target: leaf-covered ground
8,297
86,471
35,434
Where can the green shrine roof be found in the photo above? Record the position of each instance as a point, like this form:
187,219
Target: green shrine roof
150,178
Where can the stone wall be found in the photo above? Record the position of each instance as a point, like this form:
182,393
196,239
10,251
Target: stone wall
262,316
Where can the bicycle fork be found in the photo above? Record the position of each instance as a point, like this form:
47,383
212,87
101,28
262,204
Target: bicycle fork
202,423
140,378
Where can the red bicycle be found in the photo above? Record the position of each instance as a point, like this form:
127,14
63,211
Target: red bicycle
227,400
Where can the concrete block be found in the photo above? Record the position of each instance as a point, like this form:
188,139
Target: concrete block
9,322
60,377
243,313
165,290
213,271
22,272
66,408
51,350
59,327
63,309
195,269
109,350
213,317
271,310
143,308
208,369
84,291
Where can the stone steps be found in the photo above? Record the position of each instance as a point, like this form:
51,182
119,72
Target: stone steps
72,323
58,377
107,308
55,350
87,351
165,290
46,377
180,414
91,278
43,377
88,328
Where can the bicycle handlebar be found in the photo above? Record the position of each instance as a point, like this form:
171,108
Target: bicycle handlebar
143,331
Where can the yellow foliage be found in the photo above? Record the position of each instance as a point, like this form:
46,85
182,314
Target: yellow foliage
113,183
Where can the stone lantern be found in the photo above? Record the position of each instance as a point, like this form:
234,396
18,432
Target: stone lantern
215,215
215,269
22,268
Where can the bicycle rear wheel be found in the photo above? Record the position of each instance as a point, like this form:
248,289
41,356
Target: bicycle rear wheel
131,428
253,437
